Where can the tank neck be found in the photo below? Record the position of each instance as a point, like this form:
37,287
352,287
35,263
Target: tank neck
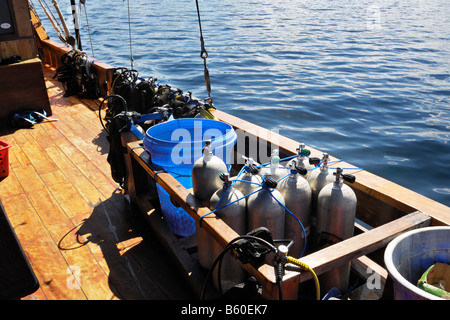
226,180
250,168
325,159
292,168
275,160
302,153
207,154
339,181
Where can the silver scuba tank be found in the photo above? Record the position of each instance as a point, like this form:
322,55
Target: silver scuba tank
206,174
302,158
318,178
249,181
232,210
274,168
335,222
230,214
297,197
204,247
265,210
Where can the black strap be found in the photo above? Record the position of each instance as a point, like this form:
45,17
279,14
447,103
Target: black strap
204,55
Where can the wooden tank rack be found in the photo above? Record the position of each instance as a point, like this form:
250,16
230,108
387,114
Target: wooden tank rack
388,208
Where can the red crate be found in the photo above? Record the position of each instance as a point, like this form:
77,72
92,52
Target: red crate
4,159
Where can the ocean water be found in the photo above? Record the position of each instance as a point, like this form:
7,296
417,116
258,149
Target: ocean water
366,81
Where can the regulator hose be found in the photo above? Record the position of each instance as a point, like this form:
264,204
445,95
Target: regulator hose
122,100
229,246
307,268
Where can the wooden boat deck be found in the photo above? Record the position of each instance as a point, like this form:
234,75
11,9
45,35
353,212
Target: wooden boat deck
81,237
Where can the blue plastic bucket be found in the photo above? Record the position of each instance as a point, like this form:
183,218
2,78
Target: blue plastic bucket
409,255
174,146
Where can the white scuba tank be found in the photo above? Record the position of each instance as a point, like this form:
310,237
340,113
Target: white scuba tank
318,178
274,169
302,159
297,197
230,214
232,210
249,181
265,211
336,222
206,174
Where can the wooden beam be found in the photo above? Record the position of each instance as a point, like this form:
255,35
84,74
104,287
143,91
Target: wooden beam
333,256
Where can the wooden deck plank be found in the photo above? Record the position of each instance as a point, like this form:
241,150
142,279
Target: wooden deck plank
75,176
70,216
33,151
19,155
46,260
10,187
56,222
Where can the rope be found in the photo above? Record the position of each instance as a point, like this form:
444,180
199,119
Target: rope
228,204
87,23
298,220
129,31
204,55
53,20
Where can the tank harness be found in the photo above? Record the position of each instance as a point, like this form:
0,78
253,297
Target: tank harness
136,104
78,74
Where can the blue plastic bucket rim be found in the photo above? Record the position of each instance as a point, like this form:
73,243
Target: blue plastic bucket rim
179,122
395,274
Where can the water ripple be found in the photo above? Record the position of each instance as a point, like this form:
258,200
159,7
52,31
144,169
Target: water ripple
368,81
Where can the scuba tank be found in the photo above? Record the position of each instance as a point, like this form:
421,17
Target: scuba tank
265,211
297,196
234,216
335,222
206,174
249,180
228,214
318,178
274,169
302,158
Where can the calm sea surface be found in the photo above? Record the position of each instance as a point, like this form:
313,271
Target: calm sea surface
366,81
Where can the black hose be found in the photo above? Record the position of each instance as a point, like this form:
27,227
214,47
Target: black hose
222,254
124,103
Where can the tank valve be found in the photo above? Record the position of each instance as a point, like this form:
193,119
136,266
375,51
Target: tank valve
225,177
314,161
301,151
207,148
270,182
346,177
301,170
250,167
282,252
295,168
